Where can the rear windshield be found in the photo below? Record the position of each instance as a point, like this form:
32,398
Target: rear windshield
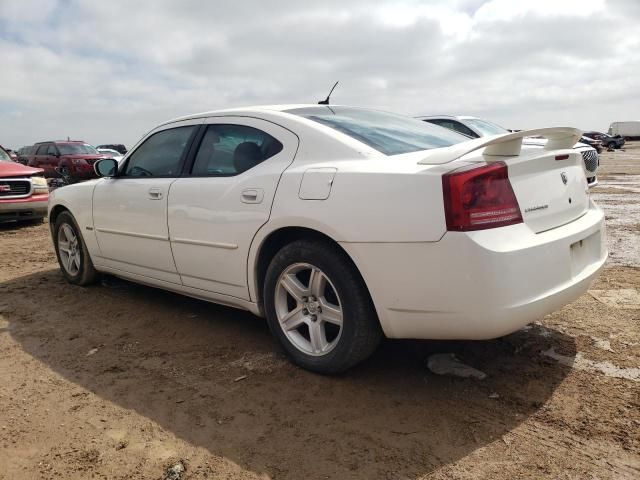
76,148
386,132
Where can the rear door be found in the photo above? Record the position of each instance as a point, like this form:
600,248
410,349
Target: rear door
52,160
39,158
215,212
130,210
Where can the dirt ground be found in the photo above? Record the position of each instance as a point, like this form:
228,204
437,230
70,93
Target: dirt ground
121,381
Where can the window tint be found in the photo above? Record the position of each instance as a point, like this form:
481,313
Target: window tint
42,150
161,154
233,149
486,128
386,132
4,156
76,149
463,129
51,150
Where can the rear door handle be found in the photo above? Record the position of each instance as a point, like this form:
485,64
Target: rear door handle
252,195
155,193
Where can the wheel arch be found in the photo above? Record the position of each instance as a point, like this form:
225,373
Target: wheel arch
265,248
54,213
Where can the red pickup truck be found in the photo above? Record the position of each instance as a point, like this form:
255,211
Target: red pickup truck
24,193
71,159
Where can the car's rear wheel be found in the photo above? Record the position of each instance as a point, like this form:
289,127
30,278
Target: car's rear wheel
318,307
72,252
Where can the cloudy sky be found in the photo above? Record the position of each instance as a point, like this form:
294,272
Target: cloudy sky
108,71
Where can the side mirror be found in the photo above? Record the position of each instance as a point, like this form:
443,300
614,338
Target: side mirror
107,167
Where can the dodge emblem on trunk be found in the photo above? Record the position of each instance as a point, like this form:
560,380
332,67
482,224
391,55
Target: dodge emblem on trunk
564,178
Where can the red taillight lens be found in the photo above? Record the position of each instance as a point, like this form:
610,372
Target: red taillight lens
477,198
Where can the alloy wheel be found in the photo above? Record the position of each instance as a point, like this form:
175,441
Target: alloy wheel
69,249
308,309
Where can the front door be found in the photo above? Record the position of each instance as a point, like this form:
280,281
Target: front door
130,210
215,212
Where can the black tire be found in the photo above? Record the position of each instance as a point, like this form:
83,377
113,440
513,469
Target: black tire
86,273
361,332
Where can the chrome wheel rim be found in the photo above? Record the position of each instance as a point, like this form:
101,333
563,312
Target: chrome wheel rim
69,249
308,309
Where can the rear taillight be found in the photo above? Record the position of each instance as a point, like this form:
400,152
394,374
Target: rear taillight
477,198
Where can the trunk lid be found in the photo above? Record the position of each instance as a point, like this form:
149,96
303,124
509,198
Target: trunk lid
550,192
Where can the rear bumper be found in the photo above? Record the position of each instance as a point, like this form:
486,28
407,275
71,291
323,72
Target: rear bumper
480,285
32,207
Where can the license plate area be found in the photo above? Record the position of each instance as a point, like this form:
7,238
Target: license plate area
585,252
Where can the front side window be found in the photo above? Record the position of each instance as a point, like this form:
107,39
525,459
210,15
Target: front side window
161,154
42,150
388,133
76,149
232,149
51,150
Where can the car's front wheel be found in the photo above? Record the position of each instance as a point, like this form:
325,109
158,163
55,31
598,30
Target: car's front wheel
318,307
72,252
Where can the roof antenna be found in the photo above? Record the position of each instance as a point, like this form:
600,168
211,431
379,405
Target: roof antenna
326,100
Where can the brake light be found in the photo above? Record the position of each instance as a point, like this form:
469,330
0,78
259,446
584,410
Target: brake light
478,198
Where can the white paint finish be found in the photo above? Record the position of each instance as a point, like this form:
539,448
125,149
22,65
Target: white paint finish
316,183
386,212
505,145
132,228
386,199
210,215
477,285
130,220
536,178
77,198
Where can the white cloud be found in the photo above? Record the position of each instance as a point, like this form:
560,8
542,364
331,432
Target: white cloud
109,71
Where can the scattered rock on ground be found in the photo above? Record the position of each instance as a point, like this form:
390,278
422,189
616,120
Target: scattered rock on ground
174,472
448,364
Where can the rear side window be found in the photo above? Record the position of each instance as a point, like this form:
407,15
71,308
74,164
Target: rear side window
161,154
386,132
228,150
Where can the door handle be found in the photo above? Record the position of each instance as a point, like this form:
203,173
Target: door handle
155,193
252,195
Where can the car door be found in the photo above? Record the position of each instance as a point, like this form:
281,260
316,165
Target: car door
39,159
52,160
215,212
130,210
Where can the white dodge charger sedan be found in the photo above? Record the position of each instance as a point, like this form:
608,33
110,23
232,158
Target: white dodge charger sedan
341,225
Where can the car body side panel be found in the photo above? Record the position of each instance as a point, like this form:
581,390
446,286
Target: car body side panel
78,198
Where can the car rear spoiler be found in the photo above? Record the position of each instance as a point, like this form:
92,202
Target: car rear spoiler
505,145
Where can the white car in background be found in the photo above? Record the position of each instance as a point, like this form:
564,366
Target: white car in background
476,127
116,155
341,225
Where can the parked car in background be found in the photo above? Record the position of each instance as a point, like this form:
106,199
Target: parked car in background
117,156
607,140
625,129
70,159
476,127
12,154
24,193
592,142
341,224
22,154
118,147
